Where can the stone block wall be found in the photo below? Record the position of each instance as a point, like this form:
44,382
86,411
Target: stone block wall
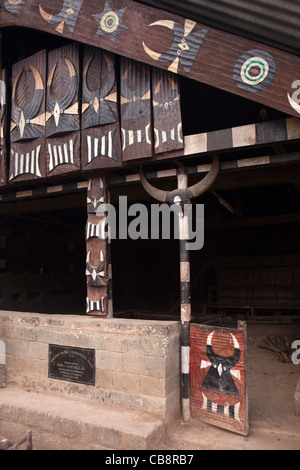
137,362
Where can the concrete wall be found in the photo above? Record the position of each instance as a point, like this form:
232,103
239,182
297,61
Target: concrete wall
137,362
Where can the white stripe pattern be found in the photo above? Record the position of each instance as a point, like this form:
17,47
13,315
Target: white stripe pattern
26,163
130,136
164,136
61,154
93,230
95,305
100,147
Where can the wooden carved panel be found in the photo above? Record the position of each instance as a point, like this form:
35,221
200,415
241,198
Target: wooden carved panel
62,117
101,143
166,111
3,123
27,131
218,377
136,124
96,243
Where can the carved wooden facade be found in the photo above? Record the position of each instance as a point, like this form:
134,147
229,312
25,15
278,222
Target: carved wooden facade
110,99
169,42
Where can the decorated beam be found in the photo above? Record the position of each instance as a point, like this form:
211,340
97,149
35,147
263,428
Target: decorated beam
170,42
263,133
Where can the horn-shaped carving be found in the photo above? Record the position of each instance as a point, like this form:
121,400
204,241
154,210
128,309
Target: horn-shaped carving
22,118
68,15
96,109
59,121
185,195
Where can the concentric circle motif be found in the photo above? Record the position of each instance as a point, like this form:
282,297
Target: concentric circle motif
254,71
109,22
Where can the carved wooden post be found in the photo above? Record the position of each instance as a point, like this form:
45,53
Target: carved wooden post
98,264
183,196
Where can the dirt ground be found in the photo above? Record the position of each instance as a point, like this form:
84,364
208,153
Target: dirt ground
271,388
273,424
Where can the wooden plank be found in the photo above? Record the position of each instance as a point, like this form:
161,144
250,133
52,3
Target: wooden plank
170,42
166,111
3,126
136,125
263,133
27,130
62,116
218,377
101,141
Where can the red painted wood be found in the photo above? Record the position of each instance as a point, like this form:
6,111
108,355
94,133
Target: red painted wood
218,385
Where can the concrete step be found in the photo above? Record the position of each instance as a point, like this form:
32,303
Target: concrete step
62,423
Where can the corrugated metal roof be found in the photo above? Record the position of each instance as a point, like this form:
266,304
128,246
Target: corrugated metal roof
272,22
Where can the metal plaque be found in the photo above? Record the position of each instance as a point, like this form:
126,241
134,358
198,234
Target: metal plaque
72,364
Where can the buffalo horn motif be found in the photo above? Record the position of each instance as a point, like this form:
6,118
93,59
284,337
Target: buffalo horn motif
96,109
59,108
184,48
95,272
68,15
183,196
219,377
24,119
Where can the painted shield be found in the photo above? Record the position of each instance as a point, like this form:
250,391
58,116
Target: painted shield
218,383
